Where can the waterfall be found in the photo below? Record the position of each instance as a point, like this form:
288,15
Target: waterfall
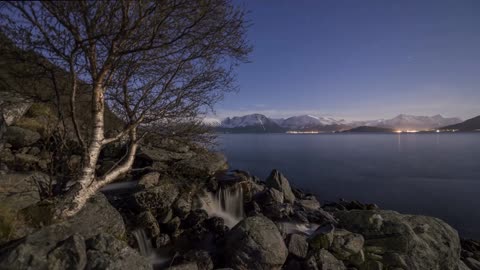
227,203
143,242
157,257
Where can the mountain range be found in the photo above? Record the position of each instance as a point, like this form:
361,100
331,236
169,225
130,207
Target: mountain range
262,123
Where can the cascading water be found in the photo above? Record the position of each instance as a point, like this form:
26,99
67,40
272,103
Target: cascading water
156,258
143,242
227,203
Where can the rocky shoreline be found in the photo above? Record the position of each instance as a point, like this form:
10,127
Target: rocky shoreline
180,208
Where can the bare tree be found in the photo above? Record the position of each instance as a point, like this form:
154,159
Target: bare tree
149,61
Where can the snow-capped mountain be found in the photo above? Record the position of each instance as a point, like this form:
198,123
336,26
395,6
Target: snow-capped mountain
412,122
262,123
212,122
308,122
251,123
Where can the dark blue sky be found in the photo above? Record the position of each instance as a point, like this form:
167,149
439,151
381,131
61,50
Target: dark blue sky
360,59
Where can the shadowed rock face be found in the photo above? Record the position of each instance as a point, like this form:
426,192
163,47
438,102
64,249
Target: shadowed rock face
255,243
406,241
278,181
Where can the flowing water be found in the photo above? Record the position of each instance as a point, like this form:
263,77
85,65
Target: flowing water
227,203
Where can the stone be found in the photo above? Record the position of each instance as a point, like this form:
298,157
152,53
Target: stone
406,248
182,206
204,163
158,197
372,265
20,137
324,260
12,107
278,181
184,266
69,254
472,263
19,191
149,180
274,196
107,252
195,217
255,243
32,251
310,204
147,221
322,238
297,245
200,257
162,240
346,244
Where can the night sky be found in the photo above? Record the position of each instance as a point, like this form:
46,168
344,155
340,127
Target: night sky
360,59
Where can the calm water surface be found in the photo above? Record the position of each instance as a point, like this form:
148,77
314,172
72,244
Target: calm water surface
430,174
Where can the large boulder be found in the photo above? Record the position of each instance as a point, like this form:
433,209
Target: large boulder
19,137
18,191
107,252
278,181
159,197
59,246
202,164
12,107
323,260
404,241
255,243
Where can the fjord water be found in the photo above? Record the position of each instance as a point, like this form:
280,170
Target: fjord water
429,174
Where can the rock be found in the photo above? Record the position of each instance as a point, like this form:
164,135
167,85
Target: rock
184,266
322,238
147,221
217,225
107,252
324,260
278,181
34,151
69,254
255,243
19,191
173,225
309,204
472,263
346,244
31,252
12,107
182,206
274,196
297,245
463,266
162,240
202,164
149,180
372,265
200,257
159,197
195,217
19,137
159,154
395,233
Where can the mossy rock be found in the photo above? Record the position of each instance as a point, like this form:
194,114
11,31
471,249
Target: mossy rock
7,223
41,109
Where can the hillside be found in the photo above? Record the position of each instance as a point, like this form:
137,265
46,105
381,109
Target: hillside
368,129
472,124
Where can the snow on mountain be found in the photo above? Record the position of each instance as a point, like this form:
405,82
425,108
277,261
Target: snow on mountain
412,122
247,121
306,122
301,122
213,122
